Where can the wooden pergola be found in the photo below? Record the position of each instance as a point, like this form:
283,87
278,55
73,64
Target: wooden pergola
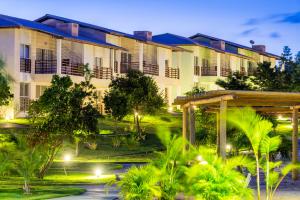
220,101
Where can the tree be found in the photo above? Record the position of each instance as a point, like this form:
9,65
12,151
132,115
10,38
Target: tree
297,58
135,94
235,81
286,59
63,110
5,94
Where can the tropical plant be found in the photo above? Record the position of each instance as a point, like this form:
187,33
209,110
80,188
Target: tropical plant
7,154
135,94
197,172
196,90
257,129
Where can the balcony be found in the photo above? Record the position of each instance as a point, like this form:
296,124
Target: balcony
225,71
172,72
45,67
24,103
197,70
102,72
151,69
125,66
69,68
209,71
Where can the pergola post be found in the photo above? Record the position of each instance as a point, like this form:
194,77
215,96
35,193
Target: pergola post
192,124
184,126
218,131
222,121
295,142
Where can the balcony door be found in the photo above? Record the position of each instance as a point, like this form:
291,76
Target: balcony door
45,61
25,62
125,62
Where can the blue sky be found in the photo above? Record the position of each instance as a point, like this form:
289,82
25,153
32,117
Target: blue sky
274,23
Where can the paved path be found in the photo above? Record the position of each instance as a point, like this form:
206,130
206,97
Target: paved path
98,192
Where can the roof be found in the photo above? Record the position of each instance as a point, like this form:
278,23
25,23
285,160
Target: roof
105,30
234,44
176,40
13,22
266,101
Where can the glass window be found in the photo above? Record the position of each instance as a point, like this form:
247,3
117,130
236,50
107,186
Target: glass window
40,89
24,89
98,62
24,51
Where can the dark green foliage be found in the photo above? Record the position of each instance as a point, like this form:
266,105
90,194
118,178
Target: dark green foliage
137,93
64,111
235,81
195,91
5,94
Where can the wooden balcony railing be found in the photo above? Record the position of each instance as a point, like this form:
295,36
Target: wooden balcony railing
172,72
24,103
197,70
45,66
225,71
25,65
209,71
151,69
76,69
102,73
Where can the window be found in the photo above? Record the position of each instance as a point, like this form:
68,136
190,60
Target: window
24,89
205,62
25,51
40,89
196,61
44,54
242,62
166,63
98,62
166,95
125,62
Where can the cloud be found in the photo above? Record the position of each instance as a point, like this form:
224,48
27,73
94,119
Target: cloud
291,18
249,32
275,35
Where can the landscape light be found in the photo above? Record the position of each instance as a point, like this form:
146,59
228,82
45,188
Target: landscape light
228,147
280,117
170,109
67,158
98,173
203,162
136,113
199,158
194,106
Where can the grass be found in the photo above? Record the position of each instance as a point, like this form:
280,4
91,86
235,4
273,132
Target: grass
21,121
11,192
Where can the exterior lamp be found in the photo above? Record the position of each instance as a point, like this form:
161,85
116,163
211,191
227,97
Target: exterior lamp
98,173
280,117
136,114
201,161
170,109
228,147
67,158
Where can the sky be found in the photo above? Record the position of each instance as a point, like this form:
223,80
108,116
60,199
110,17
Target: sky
274,23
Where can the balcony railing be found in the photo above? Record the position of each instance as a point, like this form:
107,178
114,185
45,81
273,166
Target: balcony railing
45,66
197,70
69,68
116,67
172,72
151,69
102,73
209,71
25,65
225,71
24,103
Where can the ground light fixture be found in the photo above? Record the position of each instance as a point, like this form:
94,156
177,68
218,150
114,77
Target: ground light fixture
201,161
67,159
98,172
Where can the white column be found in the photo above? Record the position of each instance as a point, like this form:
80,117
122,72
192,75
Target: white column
58,55
219,64
141,56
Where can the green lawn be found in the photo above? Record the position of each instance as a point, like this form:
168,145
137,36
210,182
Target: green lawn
21,121
11,192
